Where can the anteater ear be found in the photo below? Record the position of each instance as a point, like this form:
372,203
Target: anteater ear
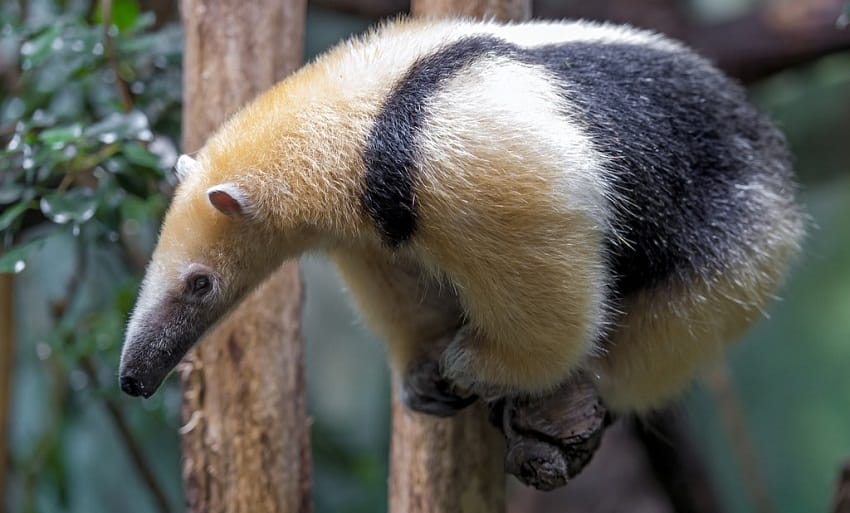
229,199
185,166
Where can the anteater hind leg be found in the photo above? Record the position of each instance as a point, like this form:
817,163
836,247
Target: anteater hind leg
668,334
551,438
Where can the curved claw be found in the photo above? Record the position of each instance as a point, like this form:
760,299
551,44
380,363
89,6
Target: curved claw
425,390
551,439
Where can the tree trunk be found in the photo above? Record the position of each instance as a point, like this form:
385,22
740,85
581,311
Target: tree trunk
7,356
502,10
245,435
442,465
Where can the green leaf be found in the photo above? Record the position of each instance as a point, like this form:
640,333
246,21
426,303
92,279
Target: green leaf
14,260
10,193
37,49
124,13
62,135
76,205
117,126
138,155
13,212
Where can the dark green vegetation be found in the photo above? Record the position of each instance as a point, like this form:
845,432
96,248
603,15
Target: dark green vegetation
89,127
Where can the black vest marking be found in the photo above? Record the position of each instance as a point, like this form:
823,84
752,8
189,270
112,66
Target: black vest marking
679,138
391,155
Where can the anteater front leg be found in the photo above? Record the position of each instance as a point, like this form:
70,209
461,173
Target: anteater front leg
417,316
425,389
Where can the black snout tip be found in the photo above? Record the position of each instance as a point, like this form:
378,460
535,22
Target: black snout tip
133,386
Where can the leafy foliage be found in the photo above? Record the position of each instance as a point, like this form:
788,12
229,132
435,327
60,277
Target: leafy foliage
89,117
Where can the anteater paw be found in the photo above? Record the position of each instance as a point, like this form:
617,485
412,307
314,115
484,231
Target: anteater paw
550,439
425,390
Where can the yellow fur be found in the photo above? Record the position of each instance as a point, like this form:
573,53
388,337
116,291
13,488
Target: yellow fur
508,241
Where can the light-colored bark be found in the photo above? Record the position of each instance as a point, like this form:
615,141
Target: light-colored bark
440,465
457,464
503,10
246,433
7,355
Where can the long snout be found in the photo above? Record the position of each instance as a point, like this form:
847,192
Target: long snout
156,341
139,385
144,367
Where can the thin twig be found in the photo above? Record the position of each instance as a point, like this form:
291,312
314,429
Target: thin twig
723,392
130,442
112,56
115,413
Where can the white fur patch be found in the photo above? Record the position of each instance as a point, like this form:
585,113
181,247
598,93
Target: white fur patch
185,166
480,107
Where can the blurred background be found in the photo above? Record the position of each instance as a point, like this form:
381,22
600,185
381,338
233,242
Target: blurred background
89,129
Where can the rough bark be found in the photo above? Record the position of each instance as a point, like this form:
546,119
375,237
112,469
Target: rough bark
503,10
440,465
7,354
456,464
246,432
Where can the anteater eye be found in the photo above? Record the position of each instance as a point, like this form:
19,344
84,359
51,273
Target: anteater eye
200,285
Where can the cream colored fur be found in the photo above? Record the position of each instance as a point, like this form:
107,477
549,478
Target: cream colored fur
508,238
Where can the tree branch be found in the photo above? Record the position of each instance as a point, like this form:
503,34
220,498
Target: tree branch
130,443
72,292
774,37
112,55
365,8
723,393
770,38
676,462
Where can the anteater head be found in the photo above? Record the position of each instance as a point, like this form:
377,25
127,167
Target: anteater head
215,246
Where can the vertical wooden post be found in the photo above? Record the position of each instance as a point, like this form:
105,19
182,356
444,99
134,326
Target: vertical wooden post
446,465
245,435
7,356
502,10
